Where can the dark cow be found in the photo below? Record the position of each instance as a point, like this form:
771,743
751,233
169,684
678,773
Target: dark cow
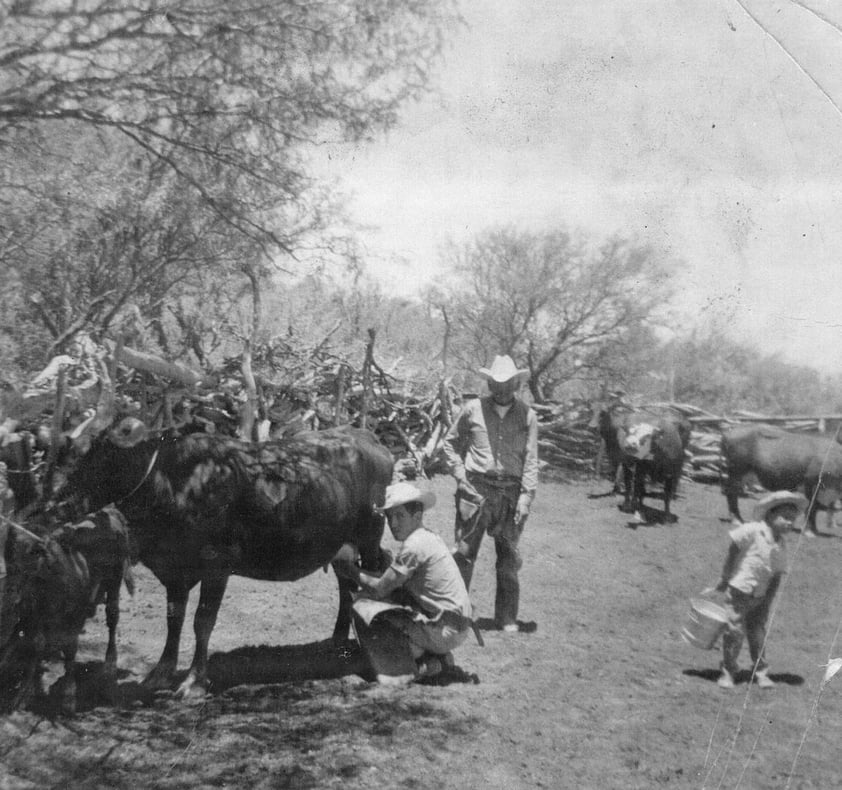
653,447
202,507
608,422
61,578
781,460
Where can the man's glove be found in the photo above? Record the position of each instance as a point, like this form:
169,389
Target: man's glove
522,509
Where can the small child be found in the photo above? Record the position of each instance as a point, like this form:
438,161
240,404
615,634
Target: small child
750,578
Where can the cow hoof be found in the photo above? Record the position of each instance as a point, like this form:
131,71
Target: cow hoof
158,680
62,696
191,691
193,687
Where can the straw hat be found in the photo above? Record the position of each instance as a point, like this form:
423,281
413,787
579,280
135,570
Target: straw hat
502,369
776,499
401,493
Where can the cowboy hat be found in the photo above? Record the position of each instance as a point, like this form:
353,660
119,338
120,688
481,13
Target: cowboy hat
401,493
776,499
502,369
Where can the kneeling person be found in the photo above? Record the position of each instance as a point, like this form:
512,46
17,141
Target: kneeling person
422,575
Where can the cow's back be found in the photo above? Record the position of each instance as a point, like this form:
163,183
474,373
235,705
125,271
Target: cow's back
273,510
780,459
766,450
309,495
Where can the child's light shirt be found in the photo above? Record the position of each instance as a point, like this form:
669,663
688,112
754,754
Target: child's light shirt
761,557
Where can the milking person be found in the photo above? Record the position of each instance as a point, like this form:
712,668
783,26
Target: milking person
438,617
751,575
492,451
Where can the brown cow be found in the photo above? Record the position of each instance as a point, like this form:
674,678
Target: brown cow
781,460
202,507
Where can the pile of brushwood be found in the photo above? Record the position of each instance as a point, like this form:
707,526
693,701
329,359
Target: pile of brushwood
276,390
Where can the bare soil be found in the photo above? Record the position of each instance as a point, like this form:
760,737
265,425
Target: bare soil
602,694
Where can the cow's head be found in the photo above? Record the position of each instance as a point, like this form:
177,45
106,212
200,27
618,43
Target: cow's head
637,440
105,466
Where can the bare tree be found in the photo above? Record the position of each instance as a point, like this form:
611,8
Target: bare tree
549,300
219,86
152,154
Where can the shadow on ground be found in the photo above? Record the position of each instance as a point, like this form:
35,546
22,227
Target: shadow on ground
263,665
523,626
744,675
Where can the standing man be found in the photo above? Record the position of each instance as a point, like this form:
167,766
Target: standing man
492,451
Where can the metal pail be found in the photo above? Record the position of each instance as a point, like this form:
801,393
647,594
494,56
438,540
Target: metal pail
705,622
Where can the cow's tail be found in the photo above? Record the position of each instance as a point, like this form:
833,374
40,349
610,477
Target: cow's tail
722,465
128,577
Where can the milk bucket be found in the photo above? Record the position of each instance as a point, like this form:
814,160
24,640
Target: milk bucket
705,622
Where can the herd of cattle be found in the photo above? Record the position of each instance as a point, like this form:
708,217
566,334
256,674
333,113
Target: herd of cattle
651,444
196,508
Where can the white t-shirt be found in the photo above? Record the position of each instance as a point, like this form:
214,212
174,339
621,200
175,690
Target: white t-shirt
432,576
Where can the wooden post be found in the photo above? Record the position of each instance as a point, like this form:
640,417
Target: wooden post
55,434
249,410
367,365
340,394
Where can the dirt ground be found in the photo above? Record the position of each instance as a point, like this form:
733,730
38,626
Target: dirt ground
603,694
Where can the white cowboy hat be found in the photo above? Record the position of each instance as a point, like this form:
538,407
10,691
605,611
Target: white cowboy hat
776,499
401,493
502,369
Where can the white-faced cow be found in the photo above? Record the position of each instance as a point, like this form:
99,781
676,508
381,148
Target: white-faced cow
61,578
653,447
781,460
201,507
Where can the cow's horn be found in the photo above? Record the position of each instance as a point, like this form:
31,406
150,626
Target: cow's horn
129,432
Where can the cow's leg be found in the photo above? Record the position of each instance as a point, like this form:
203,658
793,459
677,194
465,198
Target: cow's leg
731,488
639,494
211,593
810,515
343,617
68,682
669,491
372,560
112,617
628,484
161,675
616,477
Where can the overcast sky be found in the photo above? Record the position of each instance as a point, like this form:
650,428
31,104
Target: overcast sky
677,123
